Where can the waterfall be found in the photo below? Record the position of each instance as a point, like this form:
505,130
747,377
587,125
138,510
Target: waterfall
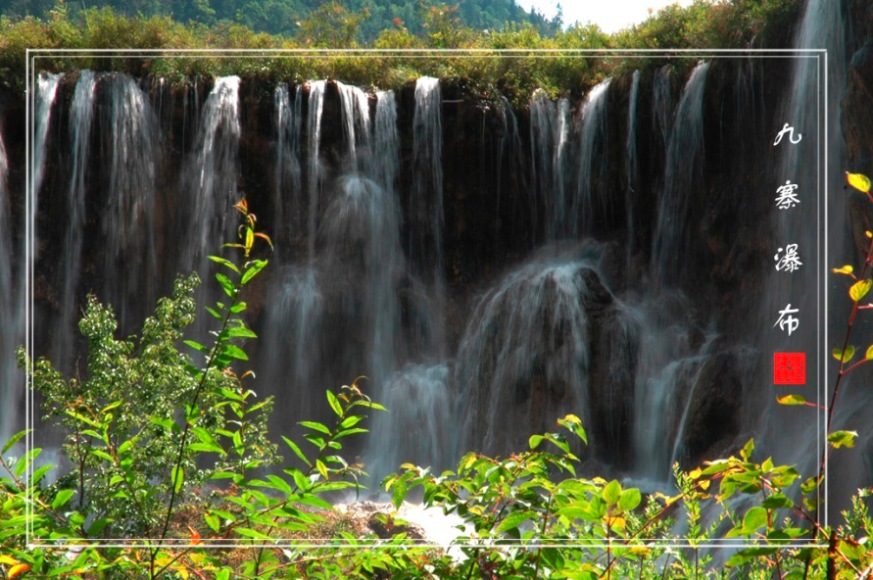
47,89
211,174
385,159
509,155
549,137
525,355
288,185
130,213
426,196
418,427
682,180
662,103
81,119
313,162
592,163
355,122
632,169
425,207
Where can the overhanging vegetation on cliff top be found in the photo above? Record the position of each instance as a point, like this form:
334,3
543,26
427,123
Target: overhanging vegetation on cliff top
735,24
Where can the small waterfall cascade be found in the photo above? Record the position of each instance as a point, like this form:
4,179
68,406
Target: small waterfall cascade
669,367
682,178
356,123
592,164
81,122
313,161
549,138
525,354
509,150
662,103
288,184
128,225
46,91
418,426
385,160
212,172
426,195
425,207
632,168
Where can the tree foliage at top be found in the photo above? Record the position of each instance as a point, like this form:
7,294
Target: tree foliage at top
288,17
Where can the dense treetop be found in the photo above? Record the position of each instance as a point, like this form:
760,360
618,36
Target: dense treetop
287,17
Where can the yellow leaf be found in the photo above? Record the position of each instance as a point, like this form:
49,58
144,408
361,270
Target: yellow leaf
846,355
858,181
4,559
868,233
847,269
860,289
18,570
869,354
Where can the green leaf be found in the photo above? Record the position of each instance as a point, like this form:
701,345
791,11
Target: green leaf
844,356
62,498
629,499
234,351
214,313
334,404
238,307
177,476
225,262
26,460
513,520
315,426
296,450
611,492
860,289
839,439
534,441
755,518
196,346
225,284
252,271
13,440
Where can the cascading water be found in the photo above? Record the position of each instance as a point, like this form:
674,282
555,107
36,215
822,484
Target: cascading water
549,138
81,119
586,210
682,178
211,174
526,354
426,195
130,213
288,185
46,91
385,159
313,161
356,123
632,168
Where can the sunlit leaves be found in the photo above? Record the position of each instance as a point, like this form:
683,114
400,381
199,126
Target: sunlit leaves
847,270
858,181
839,439
844,356
860,289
